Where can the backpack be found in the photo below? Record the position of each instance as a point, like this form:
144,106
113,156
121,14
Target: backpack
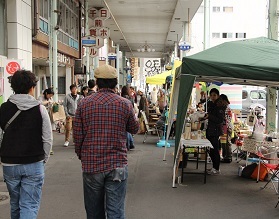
248,170
263,174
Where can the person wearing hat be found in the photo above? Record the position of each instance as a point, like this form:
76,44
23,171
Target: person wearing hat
100,126
228,130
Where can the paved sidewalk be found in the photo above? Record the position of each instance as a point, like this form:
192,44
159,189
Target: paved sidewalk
150,194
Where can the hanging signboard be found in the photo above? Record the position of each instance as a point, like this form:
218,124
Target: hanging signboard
111,56
152,66
88,41
102,13
184,46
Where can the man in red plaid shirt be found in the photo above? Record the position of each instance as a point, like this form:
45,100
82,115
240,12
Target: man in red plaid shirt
99,130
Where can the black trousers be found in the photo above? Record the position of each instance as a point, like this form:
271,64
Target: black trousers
214,152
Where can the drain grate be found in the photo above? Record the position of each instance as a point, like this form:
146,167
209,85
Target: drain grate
4,198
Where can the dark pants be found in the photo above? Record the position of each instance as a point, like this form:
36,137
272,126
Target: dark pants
214,152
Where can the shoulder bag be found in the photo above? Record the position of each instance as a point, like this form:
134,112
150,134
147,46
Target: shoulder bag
7,125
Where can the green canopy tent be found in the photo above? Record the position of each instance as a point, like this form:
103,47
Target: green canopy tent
247,62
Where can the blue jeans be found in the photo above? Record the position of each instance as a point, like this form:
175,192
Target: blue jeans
24,183
104,194
130,141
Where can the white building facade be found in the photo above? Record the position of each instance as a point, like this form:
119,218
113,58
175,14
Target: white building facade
229,20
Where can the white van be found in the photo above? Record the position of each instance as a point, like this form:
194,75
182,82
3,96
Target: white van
253,98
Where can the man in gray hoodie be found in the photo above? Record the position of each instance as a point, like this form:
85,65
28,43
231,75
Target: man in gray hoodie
25,146
70,105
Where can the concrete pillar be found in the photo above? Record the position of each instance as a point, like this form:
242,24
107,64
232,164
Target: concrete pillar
19,28
68,79
271,92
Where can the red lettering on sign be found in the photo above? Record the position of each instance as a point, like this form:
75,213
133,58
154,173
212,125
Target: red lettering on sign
98,23
93,32
93,52
12,67
93,13
103,13
103,32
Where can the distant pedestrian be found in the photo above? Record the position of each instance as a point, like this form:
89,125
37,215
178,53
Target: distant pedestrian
25,147
47,101
162,100
154,96
133,94
227,131
70,106
143,106
126,93
91,87
84,91
100,127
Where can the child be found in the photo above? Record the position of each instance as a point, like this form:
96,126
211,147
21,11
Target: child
200,107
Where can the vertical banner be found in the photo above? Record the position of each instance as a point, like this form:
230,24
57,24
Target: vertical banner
271,110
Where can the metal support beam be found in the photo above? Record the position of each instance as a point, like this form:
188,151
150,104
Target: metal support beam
175,50
106,49
117,63
184,37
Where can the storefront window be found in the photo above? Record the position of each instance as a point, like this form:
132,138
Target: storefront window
61,84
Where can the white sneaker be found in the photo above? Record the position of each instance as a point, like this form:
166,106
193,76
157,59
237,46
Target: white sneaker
214,172
66,144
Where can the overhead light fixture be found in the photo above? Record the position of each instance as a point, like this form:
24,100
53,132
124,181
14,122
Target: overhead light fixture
146,48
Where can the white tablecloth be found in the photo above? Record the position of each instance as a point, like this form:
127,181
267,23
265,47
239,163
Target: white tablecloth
202,143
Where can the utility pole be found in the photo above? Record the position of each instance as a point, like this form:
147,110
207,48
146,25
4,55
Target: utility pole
271,92
50,27
54,54
87,34
206,37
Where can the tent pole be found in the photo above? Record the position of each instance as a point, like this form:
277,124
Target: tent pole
163,142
